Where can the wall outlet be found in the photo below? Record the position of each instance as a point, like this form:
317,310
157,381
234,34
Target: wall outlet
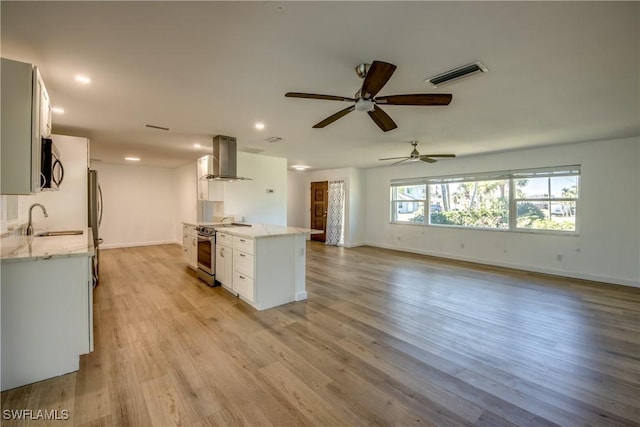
461,245
559,257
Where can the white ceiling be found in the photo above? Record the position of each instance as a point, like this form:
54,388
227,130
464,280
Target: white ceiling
559,73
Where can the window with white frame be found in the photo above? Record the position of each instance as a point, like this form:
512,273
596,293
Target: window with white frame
546,199
543,199
476,201
408,202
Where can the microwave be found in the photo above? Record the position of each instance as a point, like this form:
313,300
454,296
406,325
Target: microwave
52,171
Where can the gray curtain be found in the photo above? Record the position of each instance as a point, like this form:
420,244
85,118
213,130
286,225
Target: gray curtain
335,216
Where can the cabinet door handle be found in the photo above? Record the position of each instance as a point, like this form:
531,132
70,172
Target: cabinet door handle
242,240
242,255
242,277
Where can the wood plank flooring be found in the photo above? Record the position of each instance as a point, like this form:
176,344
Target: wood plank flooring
385,339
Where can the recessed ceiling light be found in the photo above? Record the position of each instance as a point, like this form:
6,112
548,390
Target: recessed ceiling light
259,125
197,145
300,167
81,78
58,110
132,159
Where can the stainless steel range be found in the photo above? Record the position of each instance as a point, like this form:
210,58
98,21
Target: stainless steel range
206,254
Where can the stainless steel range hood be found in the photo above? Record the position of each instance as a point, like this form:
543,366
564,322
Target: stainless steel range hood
222,164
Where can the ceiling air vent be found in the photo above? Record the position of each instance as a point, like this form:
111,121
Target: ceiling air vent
156,127
457,74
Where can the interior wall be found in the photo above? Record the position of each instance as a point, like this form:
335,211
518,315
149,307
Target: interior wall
607,247
263,199
358,207
355,187
297,195
139,205
186,195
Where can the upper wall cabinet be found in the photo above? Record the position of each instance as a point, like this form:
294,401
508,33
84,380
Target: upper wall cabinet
208,190
26,119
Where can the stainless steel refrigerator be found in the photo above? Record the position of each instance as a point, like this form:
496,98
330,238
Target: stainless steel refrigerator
95,219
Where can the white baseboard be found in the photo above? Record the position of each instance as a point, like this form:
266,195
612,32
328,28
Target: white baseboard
354,245
134,244
301,296
534,269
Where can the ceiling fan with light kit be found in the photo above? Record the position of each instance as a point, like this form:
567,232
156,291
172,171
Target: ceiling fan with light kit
375,76
416,156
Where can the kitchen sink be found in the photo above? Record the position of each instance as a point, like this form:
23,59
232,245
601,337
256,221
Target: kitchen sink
53,233
236,224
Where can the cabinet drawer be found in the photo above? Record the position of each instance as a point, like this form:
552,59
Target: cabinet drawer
224,239
243,263
243,244
189,230
243,285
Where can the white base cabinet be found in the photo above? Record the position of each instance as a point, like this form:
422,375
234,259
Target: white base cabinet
268,272
47,318
244,268
190,245
224,261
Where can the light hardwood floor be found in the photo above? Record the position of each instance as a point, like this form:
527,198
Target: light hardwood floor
385,338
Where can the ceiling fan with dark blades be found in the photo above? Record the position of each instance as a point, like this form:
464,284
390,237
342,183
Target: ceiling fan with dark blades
416,156
375,75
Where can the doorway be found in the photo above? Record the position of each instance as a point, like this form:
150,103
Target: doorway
319,207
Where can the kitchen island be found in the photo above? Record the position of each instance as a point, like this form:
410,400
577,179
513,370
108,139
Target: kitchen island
47,306
265,264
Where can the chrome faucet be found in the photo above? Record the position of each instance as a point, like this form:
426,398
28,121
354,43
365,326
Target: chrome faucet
227,217
29,226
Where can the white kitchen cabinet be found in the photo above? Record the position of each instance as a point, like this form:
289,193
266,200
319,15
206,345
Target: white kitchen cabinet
208,190
244,286
268,267
224,239
224,261
26,118
244,244
243,268
266,270
190,245
47,318
243,263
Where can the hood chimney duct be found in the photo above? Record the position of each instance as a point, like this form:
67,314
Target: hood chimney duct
222,164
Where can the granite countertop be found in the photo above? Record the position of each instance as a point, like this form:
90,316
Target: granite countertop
258,231
30,248
254,231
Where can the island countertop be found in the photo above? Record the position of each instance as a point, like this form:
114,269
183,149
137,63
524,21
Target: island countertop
259,231
34,248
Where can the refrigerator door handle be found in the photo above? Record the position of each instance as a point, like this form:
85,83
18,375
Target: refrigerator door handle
100,206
